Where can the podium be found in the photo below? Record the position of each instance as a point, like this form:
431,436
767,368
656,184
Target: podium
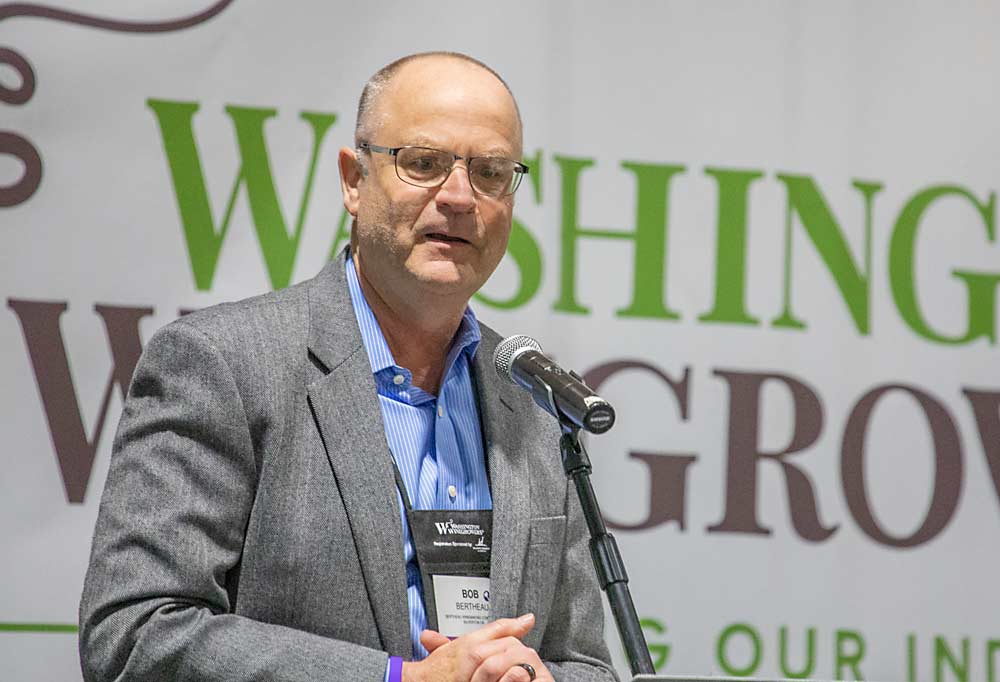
696,678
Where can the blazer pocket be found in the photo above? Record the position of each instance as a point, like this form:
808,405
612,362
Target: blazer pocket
546,540
546,529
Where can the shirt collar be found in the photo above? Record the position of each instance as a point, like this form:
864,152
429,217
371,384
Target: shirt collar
465,342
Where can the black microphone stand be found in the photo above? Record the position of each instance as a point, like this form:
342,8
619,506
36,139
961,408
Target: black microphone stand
608,562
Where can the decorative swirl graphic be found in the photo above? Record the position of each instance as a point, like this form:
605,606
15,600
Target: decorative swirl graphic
25,9
26,89
10,143
22,189
20,147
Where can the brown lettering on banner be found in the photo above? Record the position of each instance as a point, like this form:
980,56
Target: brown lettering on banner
744,456
667,470
986,407
47,352
947,467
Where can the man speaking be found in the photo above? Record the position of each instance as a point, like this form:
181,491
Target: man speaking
329,482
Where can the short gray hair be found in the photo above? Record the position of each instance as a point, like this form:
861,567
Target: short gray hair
367,123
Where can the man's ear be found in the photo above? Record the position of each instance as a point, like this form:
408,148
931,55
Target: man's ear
351,175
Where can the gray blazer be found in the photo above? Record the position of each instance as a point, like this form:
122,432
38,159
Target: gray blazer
249,527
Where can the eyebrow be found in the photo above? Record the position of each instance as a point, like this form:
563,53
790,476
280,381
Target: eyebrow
423,141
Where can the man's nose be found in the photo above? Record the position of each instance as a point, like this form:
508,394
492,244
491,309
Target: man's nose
456,192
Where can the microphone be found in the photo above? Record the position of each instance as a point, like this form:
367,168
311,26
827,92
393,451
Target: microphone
519,359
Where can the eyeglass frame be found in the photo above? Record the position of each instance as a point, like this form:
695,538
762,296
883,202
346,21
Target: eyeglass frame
520,169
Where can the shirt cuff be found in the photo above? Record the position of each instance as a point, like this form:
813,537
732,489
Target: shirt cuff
394,669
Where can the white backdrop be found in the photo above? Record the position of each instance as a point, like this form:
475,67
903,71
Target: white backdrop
762,149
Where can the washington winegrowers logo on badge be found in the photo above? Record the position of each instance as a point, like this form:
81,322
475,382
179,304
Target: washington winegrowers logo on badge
449,527
18,146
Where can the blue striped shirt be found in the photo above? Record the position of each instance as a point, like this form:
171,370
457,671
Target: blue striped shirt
436,440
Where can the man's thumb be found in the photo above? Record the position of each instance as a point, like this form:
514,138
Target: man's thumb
527,621
432,640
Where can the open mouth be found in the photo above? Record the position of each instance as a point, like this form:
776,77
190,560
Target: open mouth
439,237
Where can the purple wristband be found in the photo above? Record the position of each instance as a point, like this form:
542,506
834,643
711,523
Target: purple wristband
395,669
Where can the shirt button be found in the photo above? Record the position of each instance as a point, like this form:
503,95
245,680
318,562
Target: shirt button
440,410
452,492
398,379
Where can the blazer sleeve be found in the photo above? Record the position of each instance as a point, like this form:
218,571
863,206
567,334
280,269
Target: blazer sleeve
158,596
573,647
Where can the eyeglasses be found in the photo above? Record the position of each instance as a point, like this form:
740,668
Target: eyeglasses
492,176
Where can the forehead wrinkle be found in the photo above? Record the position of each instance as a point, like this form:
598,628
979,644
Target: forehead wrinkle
421,140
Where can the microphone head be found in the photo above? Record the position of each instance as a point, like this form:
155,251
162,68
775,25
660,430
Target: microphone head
508,349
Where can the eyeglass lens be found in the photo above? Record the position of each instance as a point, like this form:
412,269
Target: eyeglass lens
430,167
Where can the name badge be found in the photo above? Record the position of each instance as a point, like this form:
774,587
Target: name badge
453,550
463,603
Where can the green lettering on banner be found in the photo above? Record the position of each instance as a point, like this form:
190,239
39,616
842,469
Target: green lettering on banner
731,247
343,234
981,288
952,666
47,628
943,655
535,174
204,240
815,216
850,659
723,641
650,237
523,248
992,648
810,664
659,653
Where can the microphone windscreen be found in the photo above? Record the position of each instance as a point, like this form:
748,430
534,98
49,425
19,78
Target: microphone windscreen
508,349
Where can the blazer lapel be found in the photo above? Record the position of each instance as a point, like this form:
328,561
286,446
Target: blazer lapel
508,467
345,406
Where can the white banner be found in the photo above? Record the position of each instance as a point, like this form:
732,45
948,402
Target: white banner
766,231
